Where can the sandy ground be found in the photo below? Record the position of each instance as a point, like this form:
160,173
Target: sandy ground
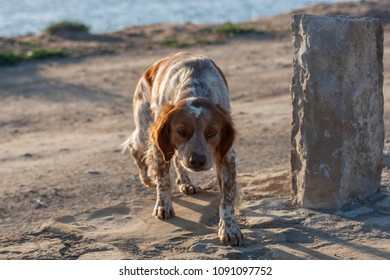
68,193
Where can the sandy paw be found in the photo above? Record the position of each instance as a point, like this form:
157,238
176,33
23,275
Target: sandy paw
229,233
189,188
163,211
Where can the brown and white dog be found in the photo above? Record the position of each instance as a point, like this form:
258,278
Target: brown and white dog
182,114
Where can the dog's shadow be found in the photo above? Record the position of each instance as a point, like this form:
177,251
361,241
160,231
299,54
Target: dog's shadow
196,213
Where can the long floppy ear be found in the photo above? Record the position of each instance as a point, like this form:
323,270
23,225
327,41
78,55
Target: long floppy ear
228,134
160,132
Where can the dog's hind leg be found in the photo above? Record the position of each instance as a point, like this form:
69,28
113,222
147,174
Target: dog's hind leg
138,142
139,158
183,181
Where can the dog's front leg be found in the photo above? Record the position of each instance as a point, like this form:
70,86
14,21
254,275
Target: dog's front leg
183,182
160,171
229,232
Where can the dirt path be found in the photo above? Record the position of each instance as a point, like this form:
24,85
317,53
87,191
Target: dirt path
67,192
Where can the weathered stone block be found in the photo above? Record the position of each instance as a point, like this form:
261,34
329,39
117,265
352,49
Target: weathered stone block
337,128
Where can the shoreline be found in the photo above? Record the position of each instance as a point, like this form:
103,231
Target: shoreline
103,18
173,36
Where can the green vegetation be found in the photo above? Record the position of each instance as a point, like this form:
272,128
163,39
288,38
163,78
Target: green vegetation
9,58
67,26
225,29
202,42
174,43
42,53
230,29
27,44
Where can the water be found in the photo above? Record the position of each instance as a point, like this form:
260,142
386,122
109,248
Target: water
22,17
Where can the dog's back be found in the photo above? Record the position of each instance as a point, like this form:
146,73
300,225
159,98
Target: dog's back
185,75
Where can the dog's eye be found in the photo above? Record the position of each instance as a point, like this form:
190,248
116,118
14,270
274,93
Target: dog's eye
211,133
182,133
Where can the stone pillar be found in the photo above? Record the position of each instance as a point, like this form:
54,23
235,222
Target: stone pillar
337,128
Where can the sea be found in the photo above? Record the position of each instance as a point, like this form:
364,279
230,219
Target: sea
21,17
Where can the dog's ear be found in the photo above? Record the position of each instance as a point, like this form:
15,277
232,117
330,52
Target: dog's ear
160,132
228,134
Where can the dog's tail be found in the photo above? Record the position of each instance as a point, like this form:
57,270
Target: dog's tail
126,145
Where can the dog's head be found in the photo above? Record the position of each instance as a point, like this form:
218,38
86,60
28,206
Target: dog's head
199,131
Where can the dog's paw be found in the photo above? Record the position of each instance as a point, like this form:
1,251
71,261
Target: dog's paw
189,188
229,233
163,211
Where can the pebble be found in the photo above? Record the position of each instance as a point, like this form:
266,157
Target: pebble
40,204
93,172
14,130
198,248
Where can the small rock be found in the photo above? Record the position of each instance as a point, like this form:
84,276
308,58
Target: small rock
28,155
198,248
40,204
13,130
94,172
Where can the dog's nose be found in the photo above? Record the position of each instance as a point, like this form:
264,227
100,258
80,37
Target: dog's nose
197,161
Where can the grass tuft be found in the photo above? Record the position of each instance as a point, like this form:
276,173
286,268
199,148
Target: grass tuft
203,42
174,43
42,53
67,27
231,29
8,58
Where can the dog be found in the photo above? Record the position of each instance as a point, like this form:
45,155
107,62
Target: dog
182,115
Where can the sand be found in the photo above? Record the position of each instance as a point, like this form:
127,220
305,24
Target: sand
68,193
